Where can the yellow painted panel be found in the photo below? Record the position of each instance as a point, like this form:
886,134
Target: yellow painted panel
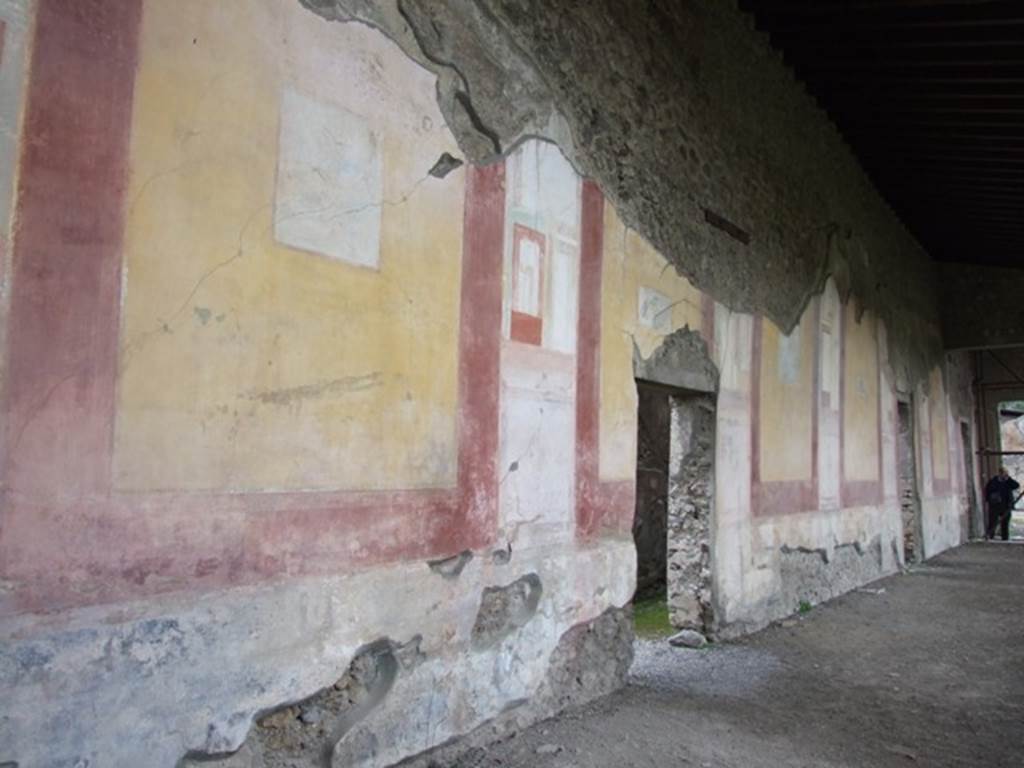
787,401
860,414
630,264
938,417
249,365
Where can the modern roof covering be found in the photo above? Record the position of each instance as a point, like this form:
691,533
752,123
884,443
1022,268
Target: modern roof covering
930,96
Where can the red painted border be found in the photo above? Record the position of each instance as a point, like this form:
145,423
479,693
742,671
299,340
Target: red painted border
781,497
67,538
480,351
857,493
66,254
600,507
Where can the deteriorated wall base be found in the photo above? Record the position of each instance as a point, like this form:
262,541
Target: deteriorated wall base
363,670
809,559
590,661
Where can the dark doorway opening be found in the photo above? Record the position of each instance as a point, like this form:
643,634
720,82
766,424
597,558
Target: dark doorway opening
910,504
674,504
650,523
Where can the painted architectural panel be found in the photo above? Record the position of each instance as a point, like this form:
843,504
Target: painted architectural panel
538,361
654,310
529,264
542,272
861,399
328,197
291,371
631,269
830,363
938,419
787,401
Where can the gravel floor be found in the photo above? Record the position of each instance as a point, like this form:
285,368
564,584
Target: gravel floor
929,672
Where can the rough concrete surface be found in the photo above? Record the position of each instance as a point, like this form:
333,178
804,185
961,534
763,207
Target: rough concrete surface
922,669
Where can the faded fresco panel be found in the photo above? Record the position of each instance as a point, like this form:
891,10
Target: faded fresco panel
643,299
540,305
537,458
249,364
787,401
938,417
860,399
329,192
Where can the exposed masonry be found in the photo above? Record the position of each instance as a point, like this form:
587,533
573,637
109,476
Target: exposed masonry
681,361
503,610
690,505
590,660
687,109
813,575
308,733
909,503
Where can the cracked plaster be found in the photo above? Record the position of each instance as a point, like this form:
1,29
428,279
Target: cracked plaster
676,111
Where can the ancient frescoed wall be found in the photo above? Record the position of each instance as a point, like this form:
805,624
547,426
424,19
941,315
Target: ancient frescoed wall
308,409
300,414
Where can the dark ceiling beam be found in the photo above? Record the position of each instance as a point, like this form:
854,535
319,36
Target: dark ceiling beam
883,69
819,6
918,102
939,152
986,207
860,56
1003,166
1011,124
888,15
967,186
906,202
823,36
871,154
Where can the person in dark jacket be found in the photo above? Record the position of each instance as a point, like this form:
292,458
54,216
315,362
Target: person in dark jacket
1000,499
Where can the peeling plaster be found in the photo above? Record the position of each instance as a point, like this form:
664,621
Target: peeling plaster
732,131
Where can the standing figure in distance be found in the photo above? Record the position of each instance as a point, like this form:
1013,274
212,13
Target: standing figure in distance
1000,500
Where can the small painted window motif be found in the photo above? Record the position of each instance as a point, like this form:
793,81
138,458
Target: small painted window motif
527,285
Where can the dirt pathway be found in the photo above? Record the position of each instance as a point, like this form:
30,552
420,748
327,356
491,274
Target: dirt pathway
929,672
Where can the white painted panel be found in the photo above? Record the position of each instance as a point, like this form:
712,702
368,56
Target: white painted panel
559,191
525,174
654,310
789,364
537,446
328,197
528,278
564,311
